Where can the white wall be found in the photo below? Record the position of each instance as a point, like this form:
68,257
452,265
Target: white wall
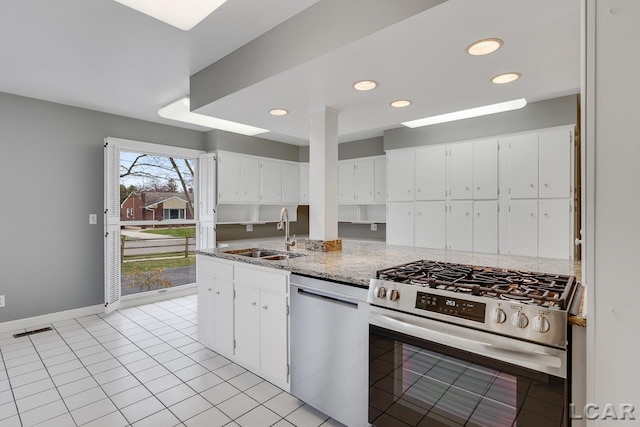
612,94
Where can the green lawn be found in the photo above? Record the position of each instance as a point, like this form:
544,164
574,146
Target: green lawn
175,232
130,267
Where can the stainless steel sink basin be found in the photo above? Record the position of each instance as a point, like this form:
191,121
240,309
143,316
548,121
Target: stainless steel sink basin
264,254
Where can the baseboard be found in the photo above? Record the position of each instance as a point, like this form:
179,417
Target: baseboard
45,319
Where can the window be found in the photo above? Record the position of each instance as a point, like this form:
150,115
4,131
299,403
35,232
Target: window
152,234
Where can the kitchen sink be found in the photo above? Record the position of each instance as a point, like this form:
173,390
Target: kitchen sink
264,254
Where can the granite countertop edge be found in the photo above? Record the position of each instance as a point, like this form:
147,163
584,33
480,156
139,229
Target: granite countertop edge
358,262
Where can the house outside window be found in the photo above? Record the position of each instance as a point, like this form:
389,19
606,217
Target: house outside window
173,214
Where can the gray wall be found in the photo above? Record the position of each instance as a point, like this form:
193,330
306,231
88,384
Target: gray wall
252,145
52,174
536,115
362,148
300,227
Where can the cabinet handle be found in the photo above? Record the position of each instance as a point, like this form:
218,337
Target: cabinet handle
217,292
419,190
209,289
478,187
264,307
253,304
546,185
478,214
531,214
531,185
467,188
546,214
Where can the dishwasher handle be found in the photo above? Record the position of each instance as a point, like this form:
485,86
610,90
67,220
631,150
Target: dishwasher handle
328,298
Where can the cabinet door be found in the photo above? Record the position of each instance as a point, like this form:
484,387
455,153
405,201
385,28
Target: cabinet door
523,227
523,166
290,183
400,176
247,326
485,226
273,333
271,181
461,171
304,183
223,316
485,170
430,224
554,164
228,178
555,229
400,224
250,179
380,180
430,167
205,277
346,182
364,181
460,226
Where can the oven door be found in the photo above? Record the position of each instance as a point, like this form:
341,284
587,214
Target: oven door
430,373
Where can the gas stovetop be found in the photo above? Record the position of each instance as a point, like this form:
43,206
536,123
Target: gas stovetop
542,289
517,304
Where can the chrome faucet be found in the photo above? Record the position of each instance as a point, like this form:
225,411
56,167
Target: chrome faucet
288,241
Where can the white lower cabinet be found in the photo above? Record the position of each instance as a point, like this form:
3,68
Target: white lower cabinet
243,315
400,224
523,227
460,226
430,225
485,226
555,228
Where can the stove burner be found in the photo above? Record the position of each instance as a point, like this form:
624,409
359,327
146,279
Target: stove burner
542,289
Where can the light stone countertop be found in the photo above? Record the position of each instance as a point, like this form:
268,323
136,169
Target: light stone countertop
359,260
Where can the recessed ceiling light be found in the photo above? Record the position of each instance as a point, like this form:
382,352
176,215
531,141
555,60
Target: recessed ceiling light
183,14
505,78
401,103
467,114
365,85
484,47
278,112
179,110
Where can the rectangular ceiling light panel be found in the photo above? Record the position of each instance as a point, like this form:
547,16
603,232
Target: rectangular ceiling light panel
183,14
180,111
467,114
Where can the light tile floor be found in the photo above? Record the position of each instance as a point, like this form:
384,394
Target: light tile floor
140,366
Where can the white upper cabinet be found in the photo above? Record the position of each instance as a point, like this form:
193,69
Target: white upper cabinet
346,182
523,166
485,170
290,183
460,226
485,226
555,157
430,173
250,179
461,162
270,181
304,183
364,181
400,175
380,180
430,225
228,178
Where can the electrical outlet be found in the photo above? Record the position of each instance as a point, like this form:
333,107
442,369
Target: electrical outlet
374,227
93,219
1,300
249,227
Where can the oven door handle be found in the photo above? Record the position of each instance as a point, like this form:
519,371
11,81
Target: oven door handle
533,356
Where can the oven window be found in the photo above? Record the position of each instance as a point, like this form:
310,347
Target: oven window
411,385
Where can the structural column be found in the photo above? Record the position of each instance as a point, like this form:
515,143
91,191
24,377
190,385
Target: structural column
323,181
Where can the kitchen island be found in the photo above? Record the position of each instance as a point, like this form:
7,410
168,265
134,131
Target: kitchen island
358,261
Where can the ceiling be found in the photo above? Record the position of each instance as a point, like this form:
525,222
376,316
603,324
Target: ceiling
100,55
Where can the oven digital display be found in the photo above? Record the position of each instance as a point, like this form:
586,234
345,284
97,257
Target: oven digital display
451,306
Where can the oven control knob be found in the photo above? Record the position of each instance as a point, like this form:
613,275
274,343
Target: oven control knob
540,324
394,295
498,315
381,292
519,319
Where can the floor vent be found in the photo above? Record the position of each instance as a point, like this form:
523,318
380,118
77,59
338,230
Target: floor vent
35,331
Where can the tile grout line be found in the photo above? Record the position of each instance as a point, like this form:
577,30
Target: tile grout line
15,401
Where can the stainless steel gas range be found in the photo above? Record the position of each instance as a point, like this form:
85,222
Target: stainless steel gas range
464,345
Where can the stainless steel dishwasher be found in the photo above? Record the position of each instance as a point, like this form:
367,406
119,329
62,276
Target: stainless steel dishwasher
330,348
